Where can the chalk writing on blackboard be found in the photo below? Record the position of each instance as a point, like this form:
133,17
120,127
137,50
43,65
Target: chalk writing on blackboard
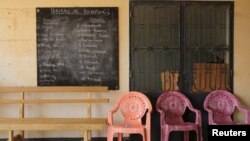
77,47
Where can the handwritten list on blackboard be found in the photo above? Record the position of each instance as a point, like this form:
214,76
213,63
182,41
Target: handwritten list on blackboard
77,47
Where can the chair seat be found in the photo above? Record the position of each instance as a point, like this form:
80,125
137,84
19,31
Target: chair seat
122,129
187,126
233,123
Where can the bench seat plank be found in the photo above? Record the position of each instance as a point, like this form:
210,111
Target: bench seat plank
52,123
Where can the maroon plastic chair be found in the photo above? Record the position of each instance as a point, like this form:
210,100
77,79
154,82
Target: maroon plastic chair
172,105
220,105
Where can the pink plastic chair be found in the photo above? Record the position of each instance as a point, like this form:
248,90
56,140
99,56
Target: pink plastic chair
172,105
133,106
220,105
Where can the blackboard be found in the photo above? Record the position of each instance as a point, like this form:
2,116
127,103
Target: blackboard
77,46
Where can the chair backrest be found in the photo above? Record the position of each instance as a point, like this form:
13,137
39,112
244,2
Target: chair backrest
133,106
222,104
173,104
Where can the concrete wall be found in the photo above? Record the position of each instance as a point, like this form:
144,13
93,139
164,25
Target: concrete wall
18,56
18,59
241,51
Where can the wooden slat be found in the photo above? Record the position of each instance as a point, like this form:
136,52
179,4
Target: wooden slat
51,120
21,111
51,101
51,126
89,106
53,89
82,124
21,107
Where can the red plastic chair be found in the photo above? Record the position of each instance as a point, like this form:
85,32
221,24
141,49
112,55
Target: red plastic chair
220,105
133,106
172,105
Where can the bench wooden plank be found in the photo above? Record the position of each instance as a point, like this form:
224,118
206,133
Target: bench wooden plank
53,123
55,120
54,89
40,101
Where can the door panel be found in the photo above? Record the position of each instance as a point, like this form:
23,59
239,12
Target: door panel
180,45
155,44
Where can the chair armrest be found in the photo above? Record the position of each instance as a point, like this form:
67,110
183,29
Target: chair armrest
246,113
148,120
111,113
162,117
110,116
197,115
210,117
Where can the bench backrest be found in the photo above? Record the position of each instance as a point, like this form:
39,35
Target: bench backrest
23,91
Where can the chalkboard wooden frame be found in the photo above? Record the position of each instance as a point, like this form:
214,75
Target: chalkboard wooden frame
77,46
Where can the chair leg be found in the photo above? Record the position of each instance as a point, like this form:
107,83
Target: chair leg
110,135
148,135
162,135
186,135
109,138
120,136
199,134
165,135
143,137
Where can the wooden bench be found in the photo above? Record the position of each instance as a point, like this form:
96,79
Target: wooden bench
84,125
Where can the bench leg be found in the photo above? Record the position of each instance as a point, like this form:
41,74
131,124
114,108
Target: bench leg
89,135
85,135
11,133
